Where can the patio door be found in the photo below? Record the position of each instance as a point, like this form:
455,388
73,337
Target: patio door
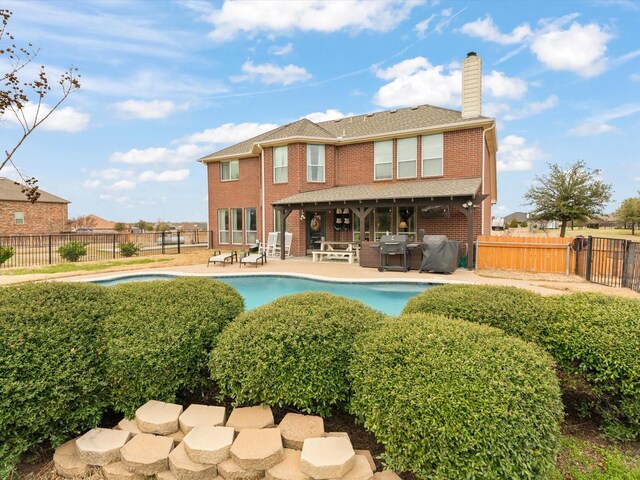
316,228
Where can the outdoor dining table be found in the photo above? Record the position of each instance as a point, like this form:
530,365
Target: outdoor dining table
338,247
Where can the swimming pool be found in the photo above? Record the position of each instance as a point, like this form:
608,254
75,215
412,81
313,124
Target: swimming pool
257,290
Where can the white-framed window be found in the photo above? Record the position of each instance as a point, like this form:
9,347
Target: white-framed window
229,170
250,225
280,164
406,222
382,220
407,157
223,225
236,226
432,148
277,215
18,218
383,160
315,163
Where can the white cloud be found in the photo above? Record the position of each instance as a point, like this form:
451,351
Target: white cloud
415,81
122,185
498,84
495,109
516,155
283,17
329,114
230,133
580,49
486,30
635,77
181,154
111,174
150,110
164,176
281,49
423,26
533,108
64,119
599,124
92,184
269,73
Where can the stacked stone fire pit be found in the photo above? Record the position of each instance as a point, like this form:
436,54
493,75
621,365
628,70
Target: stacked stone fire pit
167,443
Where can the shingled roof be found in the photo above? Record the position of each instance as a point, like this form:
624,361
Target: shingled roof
441,188
9,191
370,125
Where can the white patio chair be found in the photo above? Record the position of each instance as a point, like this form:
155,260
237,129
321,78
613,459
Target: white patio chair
288,238
272,242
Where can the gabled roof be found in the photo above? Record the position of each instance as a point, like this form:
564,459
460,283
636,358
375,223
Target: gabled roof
9,191
463,187
355,128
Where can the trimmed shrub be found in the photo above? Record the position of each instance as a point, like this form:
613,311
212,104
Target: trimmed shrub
159,335
73,251
597,337
294,351
5,253
514,310
129,249
451,399
50,364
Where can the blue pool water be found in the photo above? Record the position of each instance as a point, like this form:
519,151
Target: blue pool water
257,290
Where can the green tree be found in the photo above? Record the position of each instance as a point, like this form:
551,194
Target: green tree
144,226
568,193
16,93
629,212
513,223
119,227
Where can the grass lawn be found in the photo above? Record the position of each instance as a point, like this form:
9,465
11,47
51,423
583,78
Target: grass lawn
585,232
82,267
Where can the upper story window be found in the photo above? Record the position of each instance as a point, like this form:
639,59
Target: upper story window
280,164
407,157
383,160
432,148
315,163
229,170
19,218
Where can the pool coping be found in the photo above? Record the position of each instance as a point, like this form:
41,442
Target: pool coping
134,273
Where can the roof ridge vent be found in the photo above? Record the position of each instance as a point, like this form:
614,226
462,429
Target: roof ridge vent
415,108
393,111
370,114
337,120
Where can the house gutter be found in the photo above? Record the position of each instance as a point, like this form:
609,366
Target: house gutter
263,197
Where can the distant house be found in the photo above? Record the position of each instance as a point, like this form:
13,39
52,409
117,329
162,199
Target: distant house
519,217
19,216
92,223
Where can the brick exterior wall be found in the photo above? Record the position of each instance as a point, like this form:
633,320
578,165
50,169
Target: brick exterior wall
347,165
39,217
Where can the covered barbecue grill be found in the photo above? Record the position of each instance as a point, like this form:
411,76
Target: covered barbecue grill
394,245
438,254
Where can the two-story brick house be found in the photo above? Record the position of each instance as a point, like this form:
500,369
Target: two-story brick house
360,177
19,216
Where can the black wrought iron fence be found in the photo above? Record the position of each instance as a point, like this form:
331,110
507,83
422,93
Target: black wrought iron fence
608,261
34,250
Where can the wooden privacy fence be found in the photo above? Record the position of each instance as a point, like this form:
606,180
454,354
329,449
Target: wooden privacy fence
528,254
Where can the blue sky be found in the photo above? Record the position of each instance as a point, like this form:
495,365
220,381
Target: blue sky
165,82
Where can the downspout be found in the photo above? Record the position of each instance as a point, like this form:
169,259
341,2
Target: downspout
484,149
262,207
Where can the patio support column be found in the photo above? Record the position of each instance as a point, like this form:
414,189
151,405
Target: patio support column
283,218
362,213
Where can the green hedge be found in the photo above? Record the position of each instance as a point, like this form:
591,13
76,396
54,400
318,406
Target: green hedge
597,337
293,351
514,310
159,334
452,399
50,364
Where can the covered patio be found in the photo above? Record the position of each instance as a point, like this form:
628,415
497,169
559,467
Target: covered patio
462,195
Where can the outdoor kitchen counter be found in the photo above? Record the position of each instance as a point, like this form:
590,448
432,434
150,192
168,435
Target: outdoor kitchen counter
370,256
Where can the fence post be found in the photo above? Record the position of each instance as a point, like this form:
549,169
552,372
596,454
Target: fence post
162,241
626,264
587,270
568,259
178,241
114,245
50,252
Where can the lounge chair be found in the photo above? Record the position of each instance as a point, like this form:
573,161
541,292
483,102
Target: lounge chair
223,258
253,259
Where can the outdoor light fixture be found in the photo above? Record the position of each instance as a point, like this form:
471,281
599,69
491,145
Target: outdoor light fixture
302,217
468,204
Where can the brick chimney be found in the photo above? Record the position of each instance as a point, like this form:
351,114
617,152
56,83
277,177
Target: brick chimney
471,86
